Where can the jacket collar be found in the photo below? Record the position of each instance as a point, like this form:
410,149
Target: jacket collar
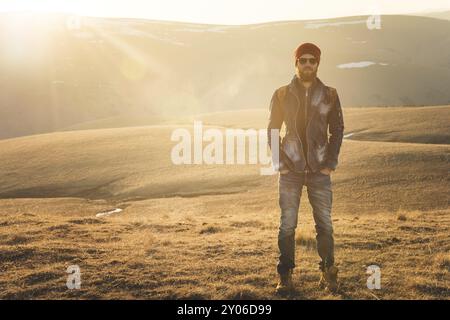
317,89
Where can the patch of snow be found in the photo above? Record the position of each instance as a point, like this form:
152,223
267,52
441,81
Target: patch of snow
108,213
218,29
138,33
282,23
191,30
360,64
316,25
128,28
348,134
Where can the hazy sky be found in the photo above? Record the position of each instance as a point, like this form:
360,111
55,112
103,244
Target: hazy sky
225,11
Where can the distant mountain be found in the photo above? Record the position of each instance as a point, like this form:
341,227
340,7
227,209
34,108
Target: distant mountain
58,71
438,15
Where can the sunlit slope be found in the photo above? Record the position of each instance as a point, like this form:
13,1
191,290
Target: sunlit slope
129,162
69,72
135,163
401,124
125,120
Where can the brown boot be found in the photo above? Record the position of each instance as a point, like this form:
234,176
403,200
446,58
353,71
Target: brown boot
285,285
329,278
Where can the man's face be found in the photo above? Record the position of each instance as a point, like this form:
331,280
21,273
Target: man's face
306,67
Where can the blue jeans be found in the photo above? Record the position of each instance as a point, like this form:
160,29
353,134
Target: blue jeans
320,197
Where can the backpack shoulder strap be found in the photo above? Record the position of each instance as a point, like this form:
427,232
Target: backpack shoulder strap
281,93
332,95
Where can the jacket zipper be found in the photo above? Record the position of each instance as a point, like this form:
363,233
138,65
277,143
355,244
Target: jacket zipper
296,130
306,124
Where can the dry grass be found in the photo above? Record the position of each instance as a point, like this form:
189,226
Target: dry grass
442,260
211,231
157,250
308,241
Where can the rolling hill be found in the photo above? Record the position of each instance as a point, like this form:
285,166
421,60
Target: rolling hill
139,227
135,162
60,71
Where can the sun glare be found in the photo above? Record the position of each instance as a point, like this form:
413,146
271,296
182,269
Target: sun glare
223,11
27,38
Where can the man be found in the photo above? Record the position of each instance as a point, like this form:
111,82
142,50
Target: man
307,156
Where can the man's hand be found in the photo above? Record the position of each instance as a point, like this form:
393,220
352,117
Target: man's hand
326,171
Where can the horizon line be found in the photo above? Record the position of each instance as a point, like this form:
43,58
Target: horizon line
417,13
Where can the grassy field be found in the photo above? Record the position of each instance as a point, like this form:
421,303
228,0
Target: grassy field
210,231
405,124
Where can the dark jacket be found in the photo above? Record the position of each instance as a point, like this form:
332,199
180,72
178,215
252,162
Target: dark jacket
323,111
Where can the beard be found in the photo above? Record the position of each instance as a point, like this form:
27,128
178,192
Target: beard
307,76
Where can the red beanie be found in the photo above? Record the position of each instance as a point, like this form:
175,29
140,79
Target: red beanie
307,48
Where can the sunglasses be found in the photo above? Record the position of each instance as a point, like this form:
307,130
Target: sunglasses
312,61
